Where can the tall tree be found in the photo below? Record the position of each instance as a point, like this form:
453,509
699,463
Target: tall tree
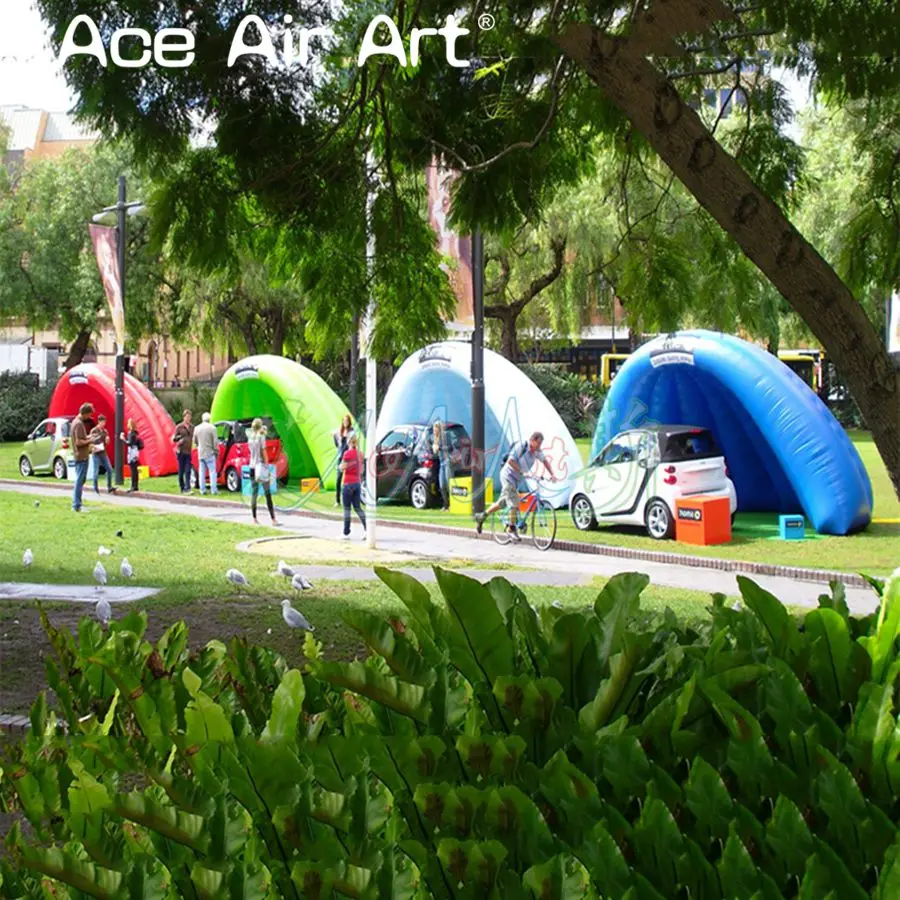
521,121
48,274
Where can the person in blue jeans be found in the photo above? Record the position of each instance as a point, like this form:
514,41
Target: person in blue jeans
441,451
351,466
99,455
81,450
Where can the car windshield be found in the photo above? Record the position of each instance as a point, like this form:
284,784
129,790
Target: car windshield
242,429
699,444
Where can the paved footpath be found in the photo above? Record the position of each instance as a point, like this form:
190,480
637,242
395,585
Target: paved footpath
556,566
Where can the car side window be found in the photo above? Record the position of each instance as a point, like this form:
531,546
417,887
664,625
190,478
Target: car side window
41,430
394,440
617,453
647,451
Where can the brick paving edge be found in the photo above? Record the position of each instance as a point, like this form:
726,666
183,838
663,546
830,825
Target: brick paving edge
818,576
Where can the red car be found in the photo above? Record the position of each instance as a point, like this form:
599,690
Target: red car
234,453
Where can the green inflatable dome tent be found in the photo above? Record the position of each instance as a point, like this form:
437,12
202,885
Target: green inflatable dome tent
304,409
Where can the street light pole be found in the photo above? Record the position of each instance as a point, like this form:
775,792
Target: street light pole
478,459
121,210
371,363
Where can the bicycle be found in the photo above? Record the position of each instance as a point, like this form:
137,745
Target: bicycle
542,518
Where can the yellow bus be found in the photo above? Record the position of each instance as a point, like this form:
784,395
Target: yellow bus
805,363
610,363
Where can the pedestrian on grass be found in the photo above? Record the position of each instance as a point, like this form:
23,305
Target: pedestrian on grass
260,473
99,439
133,446
183,438
352,467
206,441
441,452
342,442
81,450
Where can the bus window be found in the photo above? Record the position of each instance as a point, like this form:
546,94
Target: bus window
803,366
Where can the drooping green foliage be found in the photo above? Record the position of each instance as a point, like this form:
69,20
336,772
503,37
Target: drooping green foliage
485,749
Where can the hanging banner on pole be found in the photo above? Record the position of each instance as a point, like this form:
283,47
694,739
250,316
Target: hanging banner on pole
457,249
894,324
105,241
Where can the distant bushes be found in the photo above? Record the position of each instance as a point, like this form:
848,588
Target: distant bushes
577,400
23,404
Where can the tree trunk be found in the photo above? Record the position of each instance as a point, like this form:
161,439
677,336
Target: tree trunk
78,348
762,231
507,316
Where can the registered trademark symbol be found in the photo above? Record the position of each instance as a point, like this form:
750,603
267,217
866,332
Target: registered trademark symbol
486,22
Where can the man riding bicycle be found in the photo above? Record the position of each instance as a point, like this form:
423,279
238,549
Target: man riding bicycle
519,462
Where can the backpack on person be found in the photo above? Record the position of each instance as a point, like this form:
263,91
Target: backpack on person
515,450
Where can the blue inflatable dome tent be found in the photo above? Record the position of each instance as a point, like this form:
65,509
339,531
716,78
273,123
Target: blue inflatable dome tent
786,453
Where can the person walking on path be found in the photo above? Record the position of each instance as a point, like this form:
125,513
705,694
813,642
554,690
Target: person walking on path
352,467
133,446
441,452
99,439
183,438
207,441
342,442
260,474
81,450
518,463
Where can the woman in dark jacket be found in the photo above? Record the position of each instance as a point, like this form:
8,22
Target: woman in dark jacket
342,442
441,452
133,446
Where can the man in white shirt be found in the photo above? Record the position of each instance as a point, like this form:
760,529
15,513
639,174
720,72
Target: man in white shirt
206,441
520,461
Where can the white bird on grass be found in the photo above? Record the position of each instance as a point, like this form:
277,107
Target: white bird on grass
27,558
100,573
37,503
299,583
236,578
103,611
285,569
294,619
104,551
125,569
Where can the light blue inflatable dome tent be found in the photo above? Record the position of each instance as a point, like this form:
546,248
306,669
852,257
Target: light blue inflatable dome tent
434,383
786,453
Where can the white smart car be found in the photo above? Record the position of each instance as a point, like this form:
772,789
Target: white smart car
638,475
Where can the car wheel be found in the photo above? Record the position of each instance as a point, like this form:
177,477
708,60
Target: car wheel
59,468
583,514
659,522
25,467
418,494
232,480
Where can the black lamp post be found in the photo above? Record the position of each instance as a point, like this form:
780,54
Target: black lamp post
122,209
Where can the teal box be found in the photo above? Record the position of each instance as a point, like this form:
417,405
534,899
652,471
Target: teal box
247,484
792,528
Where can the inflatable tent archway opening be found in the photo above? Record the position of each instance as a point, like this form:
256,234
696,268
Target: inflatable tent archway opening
434,384
96,384
786,453
304,409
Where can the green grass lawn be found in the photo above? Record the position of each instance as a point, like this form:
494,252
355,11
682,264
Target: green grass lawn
188,557
755,535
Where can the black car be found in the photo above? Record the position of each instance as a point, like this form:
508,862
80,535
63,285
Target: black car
407,469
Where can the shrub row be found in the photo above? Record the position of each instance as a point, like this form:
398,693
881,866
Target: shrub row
23,404
485,749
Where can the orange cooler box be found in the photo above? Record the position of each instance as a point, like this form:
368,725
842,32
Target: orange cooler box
703,520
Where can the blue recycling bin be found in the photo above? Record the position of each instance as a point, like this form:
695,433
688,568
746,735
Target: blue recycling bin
792,528
247,484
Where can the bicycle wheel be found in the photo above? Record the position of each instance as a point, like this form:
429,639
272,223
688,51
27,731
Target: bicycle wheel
499,522
543,525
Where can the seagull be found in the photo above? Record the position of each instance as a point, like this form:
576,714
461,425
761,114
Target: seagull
100,573
125,569
285,569
294,619
27,558
299,583
37,503
104,551
236,578
103,610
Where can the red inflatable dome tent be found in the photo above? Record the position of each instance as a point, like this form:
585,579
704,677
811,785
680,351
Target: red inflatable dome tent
96,384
